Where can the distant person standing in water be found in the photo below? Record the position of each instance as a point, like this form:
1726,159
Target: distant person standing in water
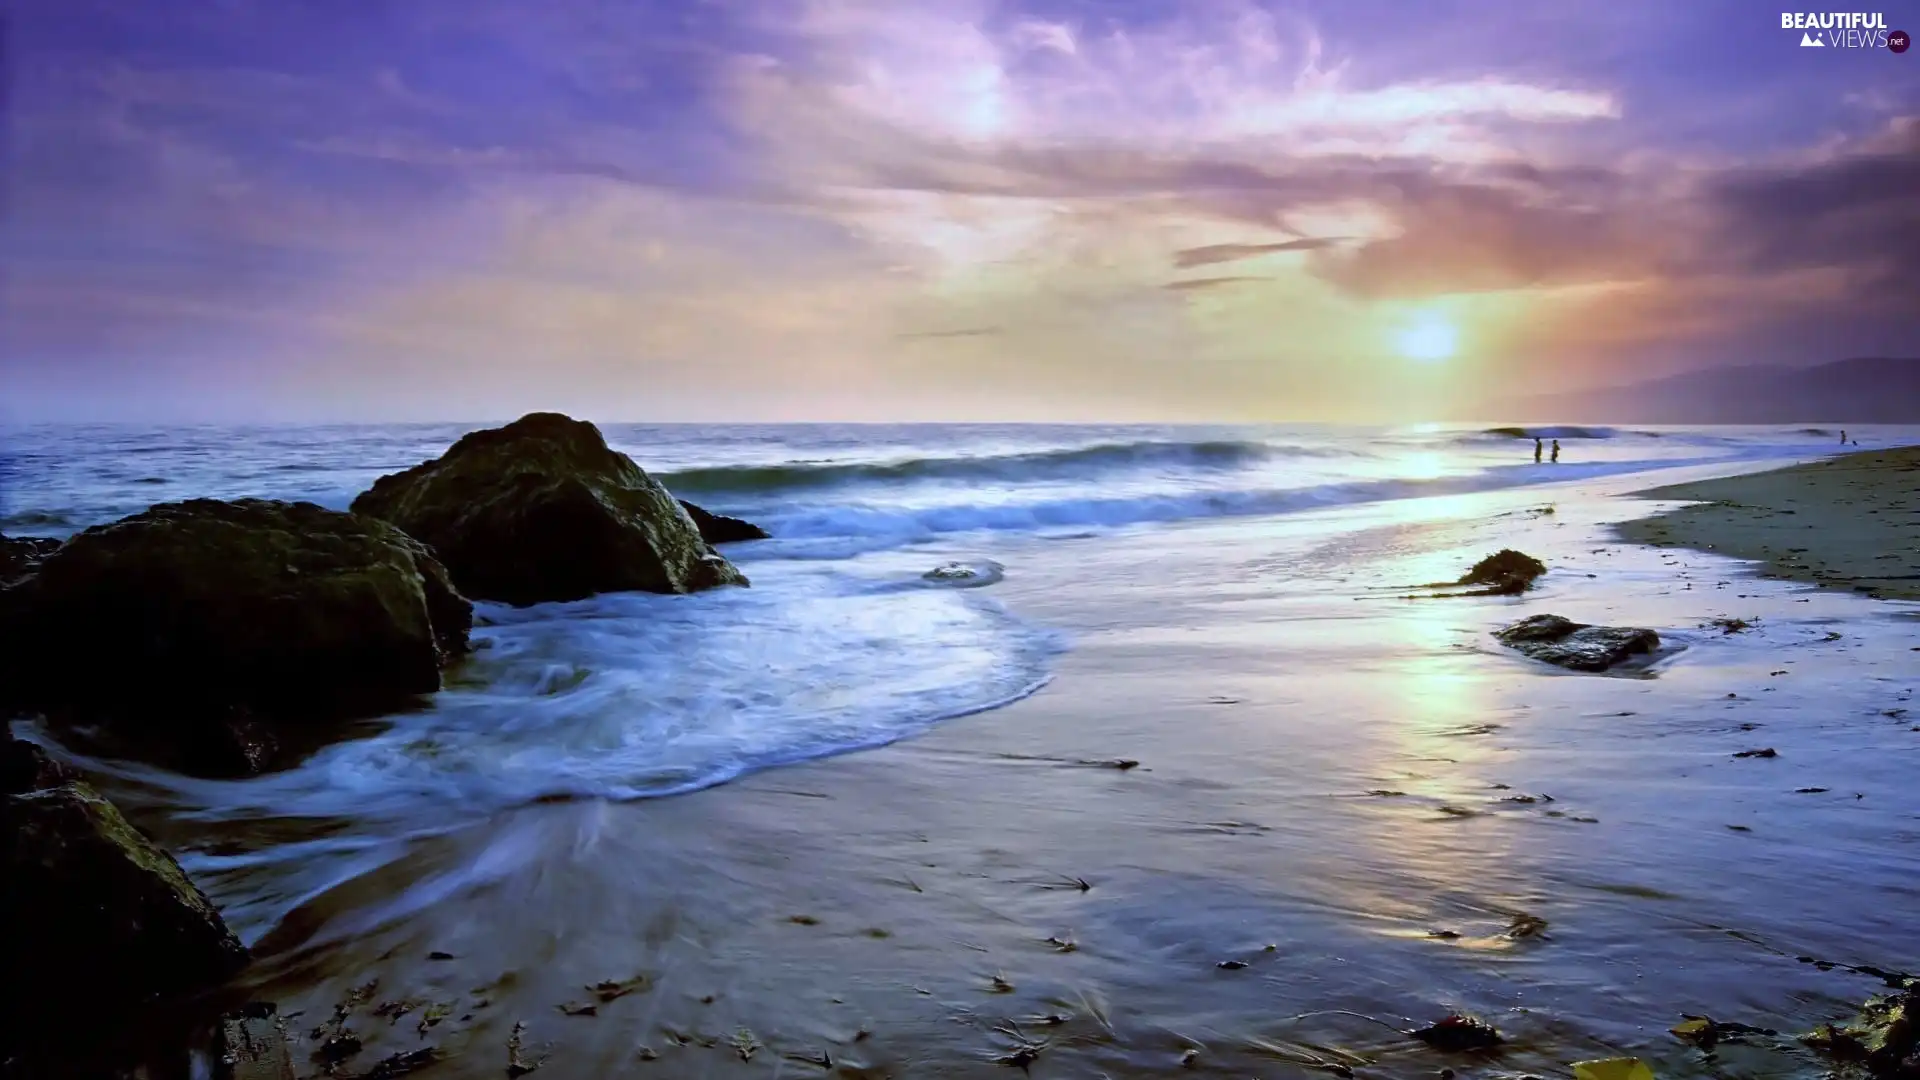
1536,449
1556,450
1843,436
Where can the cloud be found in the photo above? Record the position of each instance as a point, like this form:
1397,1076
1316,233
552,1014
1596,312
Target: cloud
1219,253
977,331
1191,284
753,204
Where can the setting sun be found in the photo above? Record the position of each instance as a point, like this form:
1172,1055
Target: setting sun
1429,340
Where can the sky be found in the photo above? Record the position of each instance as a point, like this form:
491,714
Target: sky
790,210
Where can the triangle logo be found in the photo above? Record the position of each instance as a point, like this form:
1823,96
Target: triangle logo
1808,41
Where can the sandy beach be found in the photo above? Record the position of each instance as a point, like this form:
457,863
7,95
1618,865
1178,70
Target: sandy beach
1851,522
1349,815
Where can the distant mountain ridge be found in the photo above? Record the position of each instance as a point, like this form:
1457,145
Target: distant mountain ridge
1863,390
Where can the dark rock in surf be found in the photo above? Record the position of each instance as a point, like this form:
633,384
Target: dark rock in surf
101,922
1506,572
721,529
1577,646
1884,1039
210,627
19,556
542,509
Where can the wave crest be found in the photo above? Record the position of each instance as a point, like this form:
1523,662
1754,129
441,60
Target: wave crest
1205,455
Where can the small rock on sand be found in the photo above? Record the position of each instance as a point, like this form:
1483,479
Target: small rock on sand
1558,640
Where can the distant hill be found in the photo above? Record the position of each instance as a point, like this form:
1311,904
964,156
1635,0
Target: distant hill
1866,390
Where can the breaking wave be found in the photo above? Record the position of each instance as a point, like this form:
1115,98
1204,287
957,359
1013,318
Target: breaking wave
1062,464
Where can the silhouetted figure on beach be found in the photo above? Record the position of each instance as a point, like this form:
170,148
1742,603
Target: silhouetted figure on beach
1843,437
1556,450
1536,449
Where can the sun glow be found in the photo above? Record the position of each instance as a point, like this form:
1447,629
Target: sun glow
1430,340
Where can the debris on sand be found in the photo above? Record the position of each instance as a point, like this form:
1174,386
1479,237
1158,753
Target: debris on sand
1458,1031
1504,573
1705,1032
610,989
1729,626
745,1044
579,1008
517,1063
1625,1068
252,1043
1767,751
1525,926
1022,1056
397,1065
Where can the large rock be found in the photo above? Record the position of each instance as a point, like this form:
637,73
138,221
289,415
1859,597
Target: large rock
542,509
100,921
1577,646
721,529
219,622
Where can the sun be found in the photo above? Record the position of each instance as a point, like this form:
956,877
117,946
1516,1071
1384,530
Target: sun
1429,340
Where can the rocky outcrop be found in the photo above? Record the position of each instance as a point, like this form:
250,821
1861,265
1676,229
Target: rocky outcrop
100,921
1504,573
220,627
542,509
1577,646
721,529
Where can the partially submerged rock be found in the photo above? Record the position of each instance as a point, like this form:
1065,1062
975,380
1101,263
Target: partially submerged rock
542,509
209,624
1506,572
1558,640
1883,1039
101,921
1459,1031
721,529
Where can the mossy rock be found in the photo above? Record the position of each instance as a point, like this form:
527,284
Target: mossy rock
206,616
543,510
101,920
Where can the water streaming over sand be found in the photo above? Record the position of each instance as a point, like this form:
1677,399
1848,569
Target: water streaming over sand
1202,601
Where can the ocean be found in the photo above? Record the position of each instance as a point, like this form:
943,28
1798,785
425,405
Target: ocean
1207,600
841,644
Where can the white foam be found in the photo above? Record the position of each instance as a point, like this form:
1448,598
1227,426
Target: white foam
632,695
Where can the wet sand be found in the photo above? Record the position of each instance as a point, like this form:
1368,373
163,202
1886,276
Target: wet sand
1348,811
1851,522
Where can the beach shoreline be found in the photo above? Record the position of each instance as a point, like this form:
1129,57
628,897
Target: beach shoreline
1267,813
1344,806
1850,522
